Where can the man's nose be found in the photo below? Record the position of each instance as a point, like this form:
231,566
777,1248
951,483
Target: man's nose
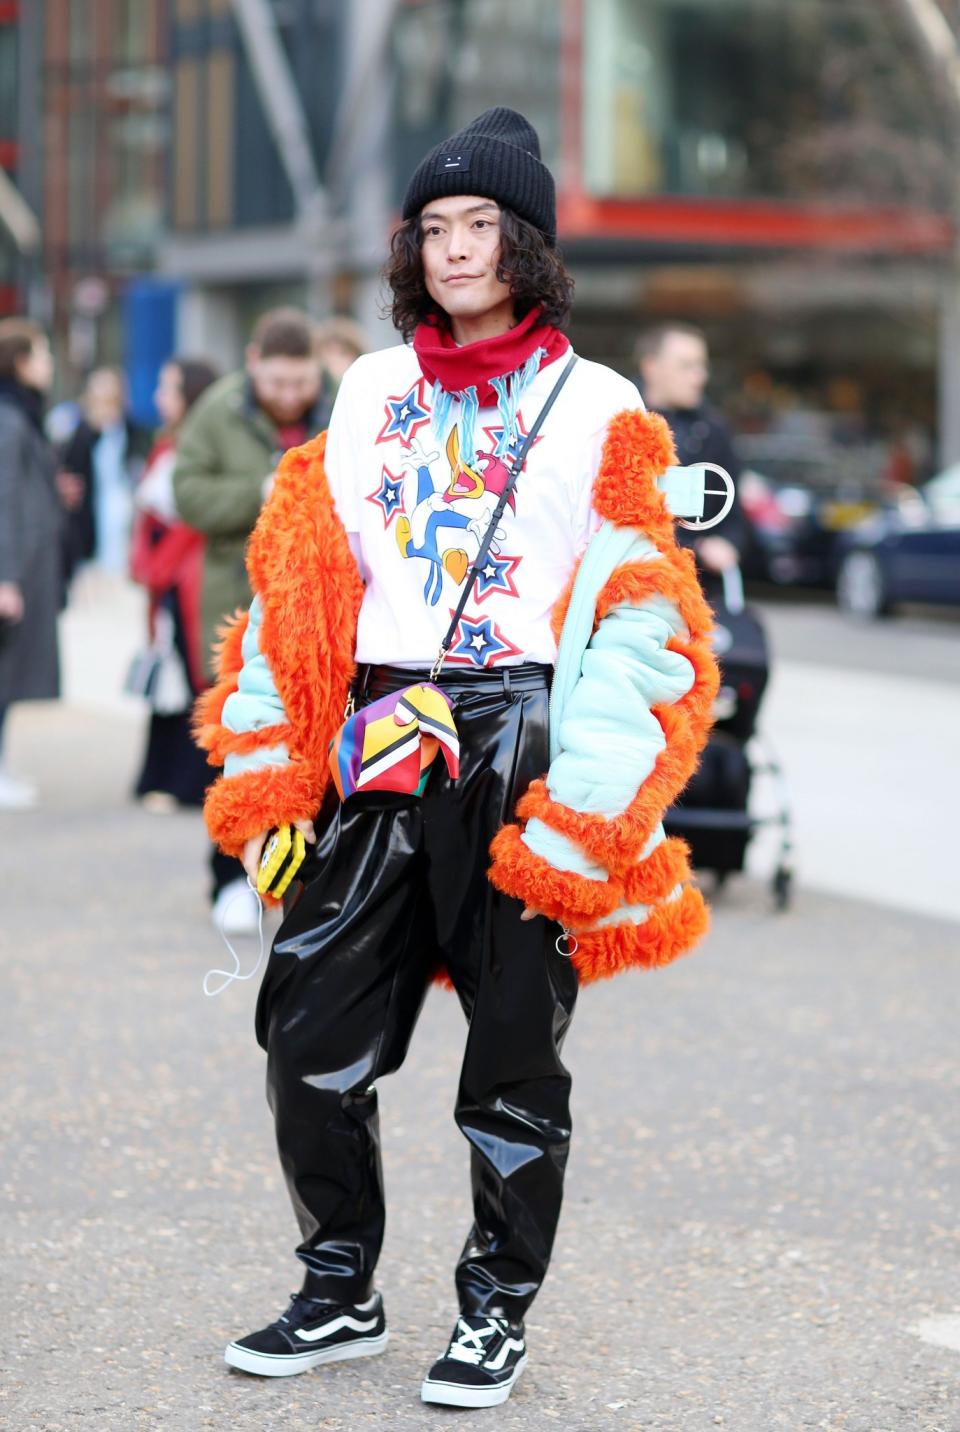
458,245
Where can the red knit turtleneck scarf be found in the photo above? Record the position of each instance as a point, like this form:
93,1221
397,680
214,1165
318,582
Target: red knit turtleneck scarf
474,364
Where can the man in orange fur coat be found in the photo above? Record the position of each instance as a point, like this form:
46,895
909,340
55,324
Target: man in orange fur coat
543,864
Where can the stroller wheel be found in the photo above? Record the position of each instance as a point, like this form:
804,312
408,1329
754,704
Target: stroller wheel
782,887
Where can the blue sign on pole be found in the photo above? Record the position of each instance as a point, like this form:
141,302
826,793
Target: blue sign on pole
149,325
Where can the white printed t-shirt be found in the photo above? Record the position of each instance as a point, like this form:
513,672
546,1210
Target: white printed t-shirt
391,477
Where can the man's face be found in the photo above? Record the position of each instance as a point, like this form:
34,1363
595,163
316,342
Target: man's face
284,387
168,398
676,376
460,249
105,399
337,357
36,370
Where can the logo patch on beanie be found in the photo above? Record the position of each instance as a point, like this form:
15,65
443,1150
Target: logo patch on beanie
459,160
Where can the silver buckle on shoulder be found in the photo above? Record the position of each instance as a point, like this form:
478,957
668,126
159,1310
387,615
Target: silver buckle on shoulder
727,492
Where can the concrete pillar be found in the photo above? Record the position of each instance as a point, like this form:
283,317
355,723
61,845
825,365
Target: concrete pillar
208,327
949,371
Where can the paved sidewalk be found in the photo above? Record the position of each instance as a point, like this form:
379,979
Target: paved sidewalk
761,1201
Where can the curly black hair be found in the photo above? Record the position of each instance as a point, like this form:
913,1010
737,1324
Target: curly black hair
528,262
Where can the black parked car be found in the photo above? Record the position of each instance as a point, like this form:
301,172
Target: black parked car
799,498
907,552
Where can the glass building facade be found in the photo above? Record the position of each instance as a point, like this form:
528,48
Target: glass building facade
227,173
778,171
106,133
813,101
101,107
798,101
455,58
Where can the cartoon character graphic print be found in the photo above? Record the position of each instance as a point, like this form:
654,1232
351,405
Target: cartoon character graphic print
466,504
442,521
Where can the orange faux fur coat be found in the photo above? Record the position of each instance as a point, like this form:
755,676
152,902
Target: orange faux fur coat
301,567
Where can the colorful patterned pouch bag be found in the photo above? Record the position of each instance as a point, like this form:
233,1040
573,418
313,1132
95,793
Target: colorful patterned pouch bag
391,744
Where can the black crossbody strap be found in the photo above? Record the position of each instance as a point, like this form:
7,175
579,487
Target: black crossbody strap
501,507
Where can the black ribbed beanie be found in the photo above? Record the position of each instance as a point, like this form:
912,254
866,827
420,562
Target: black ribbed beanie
496,156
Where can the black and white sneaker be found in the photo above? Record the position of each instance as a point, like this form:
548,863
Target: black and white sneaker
479,1368
310,1333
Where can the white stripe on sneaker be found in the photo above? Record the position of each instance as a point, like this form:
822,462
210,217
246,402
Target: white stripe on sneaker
334,1326
508,1346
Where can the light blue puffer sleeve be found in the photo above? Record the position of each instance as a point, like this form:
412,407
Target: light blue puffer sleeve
608,738
255,704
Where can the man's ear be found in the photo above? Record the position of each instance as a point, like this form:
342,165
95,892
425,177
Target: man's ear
251,355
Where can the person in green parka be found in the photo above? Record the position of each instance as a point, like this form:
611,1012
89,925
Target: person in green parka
231,444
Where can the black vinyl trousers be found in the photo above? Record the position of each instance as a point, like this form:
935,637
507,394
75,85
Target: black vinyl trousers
394,887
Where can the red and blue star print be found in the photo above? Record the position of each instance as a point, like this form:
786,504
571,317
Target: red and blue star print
388,497
512,452
406,415
496,575
478,641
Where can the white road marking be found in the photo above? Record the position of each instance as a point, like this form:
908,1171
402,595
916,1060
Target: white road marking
943,1331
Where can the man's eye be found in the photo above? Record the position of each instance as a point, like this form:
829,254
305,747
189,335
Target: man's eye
431,233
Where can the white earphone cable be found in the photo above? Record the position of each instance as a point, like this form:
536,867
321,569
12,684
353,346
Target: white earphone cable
228,976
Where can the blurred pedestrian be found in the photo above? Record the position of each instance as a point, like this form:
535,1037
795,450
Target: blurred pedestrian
674,369
105,456
227,451
166,557
340,342
31,526
62,421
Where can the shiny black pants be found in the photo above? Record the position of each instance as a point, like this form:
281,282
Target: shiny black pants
395,887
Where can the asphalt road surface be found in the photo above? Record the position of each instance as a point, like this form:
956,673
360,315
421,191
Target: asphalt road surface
760,1229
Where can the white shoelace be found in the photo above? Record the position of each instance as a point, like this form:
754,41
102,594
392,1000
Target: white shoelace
469,1344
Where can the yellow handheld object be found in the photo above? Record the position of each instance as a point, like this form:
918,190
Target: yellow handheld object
282,857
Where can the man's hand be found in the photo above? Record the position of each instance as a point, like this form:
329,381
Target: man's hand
71,488
529,913
253,849
717,554
11,602
269,482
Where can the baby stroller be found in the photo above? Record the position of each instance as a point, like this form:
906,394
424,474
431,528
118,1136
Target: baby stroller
713,815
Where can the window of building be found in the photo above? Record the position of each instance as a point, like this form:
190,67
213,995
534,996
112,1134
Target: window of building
456,59
806,100
8,83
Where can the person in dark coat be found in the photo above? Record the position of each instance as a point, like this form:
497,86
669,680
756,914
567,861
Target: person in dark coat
104,459
31,526
674,368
